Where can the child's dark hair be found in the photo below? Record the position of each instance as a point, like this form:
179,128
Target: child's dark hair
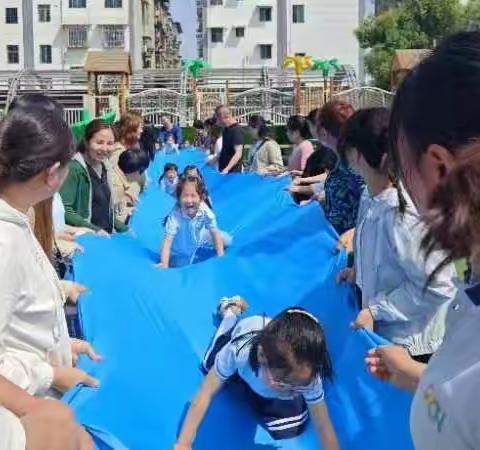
313,116
421,117
260,124
292,338
300,124
198,124
368,132
192,167
28,101
166,168
210,122
333,115
31,141
131,161
199,175
199,186
92,129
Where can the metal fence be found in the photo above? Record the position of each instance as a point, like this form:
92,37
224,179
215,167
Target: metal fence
153,93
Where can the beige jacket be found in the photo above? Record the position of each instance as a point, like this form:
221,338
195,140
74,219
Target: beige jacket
265,156
125,193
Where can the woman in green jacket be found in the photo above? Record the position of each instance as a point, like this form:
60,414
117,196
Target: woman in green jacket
87,192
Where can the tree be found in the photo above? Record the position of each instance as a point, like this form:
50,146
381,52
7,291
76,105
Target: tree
412,24
471,16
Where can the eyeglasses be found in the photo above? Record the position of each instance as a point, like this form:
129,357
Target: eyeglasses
276,384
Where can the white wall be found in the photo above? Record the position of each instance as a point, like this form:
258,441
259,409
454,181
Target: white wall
48,33
11,34
328,32
53,33
239,52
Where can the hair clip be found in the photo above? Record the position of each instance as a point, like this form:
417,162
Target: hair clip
305,313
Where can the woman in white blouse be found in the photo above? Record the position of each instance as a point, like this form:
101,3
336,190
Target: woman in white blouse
36,352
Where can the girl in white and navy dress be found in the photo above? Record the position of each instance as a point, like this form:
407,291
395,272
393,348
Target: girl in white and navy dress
280,363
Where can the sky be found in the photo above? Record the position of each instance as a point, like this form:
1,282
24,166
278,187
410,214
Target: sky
185,12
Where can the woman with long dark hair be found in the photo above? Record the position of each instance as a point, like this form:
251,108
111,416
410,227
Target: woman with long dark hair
434,132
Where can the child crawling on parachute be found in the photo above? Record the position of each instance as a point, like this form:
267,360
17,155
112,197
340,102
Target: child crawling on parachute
279,363
190,227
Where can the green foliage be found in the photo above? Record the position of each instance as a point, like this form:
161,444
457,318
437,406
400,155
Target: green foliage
326,66
195,66
471,15
412,24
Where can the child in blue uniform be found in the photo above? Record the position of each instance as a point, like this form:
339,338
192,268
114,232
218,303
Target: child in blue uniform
194,171
169,179
190,226
280,364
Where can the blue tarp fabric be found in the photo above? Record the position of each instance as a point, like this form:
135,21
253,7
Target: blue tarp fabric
153,325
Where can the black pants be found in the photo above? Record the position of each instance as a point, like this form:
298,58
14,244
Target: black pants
422,358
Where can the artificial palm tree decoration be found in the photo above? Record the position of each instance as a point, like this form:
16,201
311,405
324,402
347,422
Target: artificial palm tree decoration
299,64
328,68
195,68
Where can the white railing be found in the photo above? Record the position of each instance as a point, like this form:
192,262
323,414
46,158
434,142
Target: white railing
366,97
72,115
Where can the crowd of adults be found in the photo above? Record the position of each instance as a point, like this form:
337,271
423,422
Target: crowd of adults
406,183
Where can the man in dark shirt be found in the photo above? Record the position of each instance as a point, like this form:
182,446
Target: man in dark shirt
230,158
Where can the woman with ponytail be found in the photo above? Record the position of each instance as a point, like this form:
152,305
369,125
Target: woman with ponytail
390,270
434,129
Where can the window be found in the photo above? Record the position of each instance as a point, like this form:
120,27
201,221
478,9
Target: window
113,36
265,51
77,3
265,13
113,3
44,13
77,36
216,35
301,54
46,54
11,15
12,54
240,32
298,13
216,2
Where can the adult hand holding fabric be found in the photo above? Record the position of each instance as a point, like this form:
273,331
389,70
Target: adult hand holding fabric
48,408
74,291
394,364
80,347
46,433
65,378
346,275
364,320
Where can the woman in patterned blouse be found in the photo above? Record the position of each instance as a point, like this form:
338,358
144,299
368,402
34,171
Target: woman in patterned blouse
343,188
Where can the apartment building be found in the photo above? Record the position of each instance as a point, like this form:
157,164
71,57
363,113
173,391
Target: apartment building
257,33
56,34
